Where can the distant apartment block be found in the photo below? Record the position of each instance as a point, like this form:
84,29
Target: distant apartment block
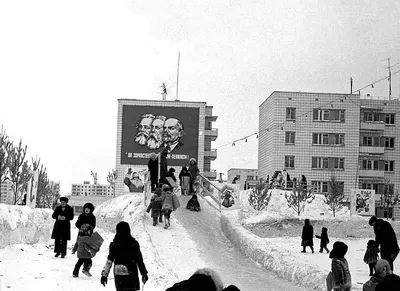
7,193
87,189
244,176
320,135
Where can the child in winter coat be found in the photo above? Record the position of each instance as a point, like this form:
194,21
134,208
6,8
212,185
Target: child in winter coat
83,246
155,206
341,278
193,204
371,256
324,240
167,204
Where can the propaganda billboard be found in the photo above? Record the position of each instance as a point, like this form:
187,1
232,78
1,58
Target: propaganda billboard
147,129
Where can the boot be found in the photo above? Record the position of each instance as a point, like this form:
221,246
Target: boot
57,255
86,269
312,249
160,219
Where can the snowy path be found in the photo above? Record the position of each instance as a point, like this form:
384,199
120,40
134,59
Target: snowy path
34,267
207,246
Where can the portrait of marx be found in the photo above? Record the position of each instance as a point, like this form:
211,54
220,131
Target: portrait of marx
158,131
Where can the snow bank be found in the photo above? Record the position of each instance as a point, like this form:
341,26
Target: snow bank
271,257
24,225
130,208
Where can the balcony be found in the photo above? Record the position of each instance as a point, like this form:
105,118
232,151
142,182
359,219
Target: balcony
213,133
210,174
372,150
372,126
211,118
211,154
372,174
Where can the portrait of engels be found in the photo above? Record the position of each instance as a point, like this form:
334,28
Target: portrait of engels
155,131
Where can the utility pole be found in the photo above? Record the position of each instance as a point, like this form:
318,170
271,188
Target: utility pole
177,76
390,79
351,85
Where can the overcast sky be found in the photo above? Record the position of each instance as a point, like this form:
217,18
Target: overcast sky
64,64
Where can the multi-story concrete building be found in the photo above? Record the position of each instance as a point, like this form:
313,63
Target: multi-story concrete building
87,189
244,176
321,135
146,126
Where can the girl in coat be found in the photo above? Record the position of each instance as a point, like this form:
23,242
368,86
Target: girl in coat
167,204
184,178
125,253
324,240
63,214
82,246
371,256
341,278
86,217
307,236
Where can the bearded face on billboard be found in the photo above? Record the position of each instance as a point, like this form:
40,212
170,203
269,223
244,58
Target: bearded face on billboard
155,138
144,128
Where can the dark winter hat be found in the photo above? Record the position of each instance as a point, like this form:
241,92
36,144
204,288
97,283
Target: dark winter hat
371,242
307,221
123,228
324,229
372,220
231,288
65,199
90,206
171,170
339,250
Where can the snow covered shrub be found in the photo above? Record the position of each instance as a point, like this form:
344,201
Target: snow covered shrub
299,197
334,196
259,196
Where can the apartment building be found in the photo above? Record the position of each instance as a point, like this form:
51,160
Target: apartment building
320,135
87,189
248,177
146,126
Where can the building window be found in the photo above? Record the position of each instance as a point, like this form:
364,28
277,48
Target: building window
290,137
251,178
290,113
328,139
389,142
333,115
370,141
389,166
389,118
289,162
325,163
375,165
319,186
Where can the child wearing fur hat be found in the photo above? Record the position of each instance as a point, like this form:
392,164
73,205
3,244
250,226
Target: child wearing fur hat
86,217
341,278
324,240
167,204
371,256
83,246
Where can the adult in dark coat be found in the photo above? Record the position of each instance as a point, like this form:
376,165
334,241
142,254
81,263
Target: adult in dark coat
184,182
163,164
153,169
194,172
87,216
63,214
125,253
386,238
307,236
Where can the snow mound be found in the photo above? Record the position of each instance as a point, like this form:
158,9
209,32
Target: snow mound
278,208
130,208
24,225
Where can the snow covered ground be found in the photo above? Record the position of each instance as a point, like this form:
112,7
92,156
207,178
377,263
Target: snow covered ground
27,262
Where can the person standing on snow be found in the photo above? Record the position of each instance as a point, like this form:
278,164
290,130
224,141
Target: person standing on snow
184,181
341,278
307,236
125,253
152,166
61,233
324,240
386,238
194,172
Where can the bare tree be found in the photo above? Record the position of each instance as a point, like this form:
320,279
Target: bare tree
299,197
389,198
17,159
5,145
335,195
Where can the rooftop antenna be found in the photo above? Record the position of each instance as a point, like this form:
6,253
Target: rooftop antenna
164,91
177,77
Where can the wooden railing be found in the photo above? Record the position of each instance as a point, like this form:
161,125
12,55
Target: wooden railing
205,186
